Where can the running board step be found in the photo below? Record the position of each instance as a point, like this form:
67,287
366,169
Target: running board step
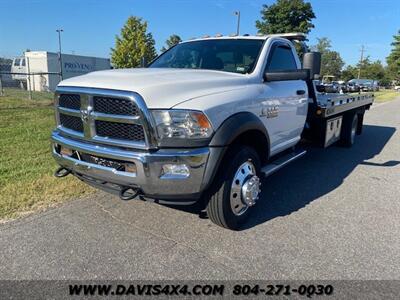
281,162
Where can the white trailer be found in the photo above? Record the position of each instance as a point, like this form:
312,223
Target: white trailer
44,66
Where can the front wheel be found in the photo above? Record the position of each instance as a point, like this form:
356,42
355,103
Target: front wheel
236,188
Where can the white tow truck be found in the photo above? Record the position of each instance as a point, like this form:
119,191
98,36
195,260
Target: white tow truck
203,123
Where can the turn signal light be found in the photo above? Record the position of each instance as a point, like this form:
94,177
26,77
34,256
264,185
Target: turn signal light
65,151
130,168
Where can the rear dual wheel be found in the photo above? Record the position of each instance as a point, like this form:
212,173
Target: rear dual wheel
236,188
350,129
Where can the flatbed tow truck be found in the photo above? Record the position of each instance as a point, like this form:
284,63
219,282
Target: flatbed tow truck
202,123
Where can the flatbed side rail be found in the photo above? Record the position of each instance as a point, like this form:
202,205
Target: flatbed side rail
339,104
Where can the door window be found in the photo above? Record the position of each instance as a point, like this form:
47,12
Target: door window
281,58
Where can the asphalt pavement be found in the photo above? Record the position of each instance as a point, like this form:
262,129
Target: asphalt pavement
334,214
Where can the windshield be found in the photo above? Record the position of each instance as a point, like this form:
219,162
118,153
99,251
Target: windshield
230,55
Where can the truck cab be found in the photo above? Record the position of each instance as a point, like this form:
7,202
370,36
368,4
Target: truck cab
19,66
203,123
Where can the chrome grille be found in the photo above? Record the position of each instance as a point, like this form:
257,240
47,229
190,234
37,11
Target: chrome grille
120,131
116,106
71,122
111,117
71,101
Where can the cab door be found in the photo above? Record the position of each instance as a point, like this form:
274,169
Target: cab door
284,103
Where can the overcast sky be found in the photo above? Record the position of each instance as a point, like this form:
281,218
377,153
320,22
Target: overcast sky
90,26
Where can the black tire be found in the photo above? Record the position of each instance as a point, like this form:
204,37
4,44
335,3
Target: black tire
219,208
360,123
349,130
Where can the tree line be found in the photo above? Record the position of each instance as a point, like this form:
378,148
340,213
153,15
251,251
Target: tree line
135,43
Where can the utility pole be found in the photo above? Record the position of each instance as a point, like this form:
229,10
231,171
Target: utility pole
59,52
237,13
361,61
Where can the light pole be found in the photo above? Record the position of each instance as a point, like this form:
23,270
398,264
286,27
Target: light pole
237,13
59,51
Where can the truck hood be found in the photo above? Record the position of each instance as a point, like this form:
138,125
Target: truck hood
162,88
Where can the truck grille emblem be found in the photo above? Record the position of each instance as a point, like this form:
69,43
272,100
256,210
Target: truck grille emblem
85,115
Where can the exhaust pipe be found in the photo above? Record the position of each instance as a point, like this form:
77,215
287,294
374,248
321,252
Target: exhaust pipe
128,193
62,172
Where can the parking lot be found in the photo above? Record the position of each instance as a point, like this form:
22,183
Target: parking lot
334,214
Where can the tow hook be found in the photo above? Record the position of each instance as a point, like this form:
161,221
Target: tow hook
128,193
62,172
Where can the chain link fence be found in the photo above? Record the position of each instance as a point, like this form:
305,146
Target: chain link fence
24,87
30,76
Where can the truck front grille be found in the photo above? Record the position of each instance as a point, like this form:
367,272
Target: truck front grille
116,106
101,116
71,101
120,131
71,122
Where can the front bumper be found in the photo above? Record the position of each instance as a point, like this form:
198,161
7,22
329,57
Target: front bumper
148,176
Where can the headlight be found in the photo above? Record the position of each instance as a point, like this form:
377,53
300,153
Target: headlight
182,124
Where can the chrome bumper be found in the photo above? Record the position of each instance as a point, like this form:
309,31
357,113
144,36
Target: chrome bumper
148,176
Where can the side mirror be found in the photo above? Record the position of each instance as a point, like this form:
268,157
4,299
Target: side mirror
312,62
302,74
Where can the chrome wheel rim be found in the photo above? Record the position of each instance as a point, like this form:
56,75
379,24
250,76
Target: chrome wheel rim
245,188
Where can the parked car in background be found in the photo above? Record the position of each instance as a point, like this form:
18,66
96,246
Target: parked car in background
343,87
366,85
353,87
330,84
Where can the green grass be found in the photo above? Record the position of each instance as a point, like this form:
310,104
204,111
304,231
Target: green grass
386,95
26,165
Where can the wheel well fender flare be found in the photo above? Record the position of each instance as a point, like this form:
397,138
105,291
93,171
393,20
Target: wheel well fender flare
236,125
231,129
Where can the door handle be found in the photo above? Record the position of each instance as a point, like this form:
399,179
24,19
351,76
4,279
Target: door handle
300,92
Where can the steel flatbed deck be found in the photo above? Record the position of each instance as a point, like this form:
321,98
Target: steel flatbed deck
332,104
